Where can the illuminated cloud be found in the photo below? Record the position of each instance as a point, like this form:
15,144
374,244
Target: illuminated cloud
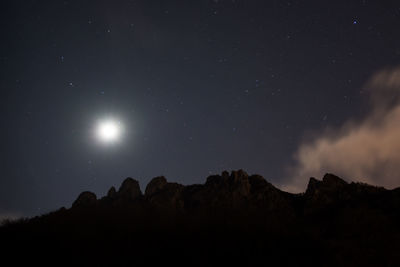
364,151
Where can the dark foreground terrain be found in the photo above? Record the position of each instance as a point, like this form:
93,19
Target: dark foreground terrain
232,219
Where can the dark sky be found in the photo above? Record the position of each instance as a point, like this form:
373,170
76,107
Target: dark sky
200,87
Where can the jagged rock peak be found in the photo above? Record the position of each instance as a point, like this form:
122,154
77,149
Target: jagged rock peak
329,182
237,181
129,189
240,174
313,180
225,174
155,185
234,177
257,181
85,199
333,180
312,185
112,193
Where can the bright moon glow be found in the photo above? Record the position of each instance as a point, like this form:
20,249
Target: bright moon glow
109,131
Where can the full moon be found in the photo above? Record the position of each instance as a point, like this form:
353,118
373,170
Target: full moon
109,131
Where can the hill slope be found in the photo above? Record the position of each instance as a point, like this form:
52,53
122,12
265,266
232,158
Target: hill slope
231,219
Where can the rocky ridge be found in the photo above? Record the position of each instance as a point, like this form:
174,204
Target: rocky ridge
235,190
233,218
231,189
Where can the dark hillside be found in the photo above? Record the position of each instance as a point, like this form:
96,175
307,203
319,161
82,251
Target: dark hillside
231,219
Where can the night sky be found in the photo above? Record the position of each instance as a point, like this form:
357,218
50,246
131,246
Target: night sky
198,86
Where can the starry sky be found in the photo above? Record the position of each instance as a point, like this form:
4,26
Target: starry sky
200,87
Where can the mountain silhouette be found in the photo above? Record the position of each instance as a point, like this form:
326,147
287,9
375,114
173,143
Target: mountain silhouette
232,219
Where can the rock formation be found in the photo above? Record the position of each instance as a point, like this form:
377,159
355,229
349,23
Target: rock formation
112,193
129,190
231,217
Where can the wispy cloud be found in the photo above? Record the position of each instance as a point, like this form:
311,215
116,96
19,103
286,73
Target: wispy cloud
367,150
